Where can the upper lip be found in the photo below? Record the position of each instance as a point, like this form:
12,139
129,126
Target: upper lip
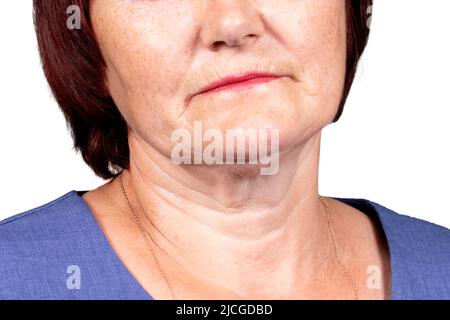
231,79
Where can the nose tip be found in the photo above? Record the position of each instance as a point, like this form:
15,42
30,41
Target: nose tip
230,24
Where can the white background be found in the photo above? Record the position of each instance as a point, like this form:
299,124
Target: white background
391,145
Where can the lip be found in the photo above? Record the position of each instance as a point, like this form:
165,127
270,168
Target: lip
238,82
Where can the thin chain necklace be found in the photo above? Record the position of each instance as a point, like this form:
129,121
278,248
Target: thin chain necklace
148,239
146,236
336,252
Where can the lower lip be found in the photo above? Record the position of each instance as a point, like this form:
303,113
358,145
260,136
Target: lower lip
242,84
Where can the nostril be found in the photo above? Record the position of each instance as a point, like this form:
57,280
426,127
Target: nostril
233,42
248,37
252,36
218,44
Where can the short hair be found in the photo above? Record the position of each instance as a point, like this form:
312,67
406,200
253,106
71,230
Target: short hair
75,70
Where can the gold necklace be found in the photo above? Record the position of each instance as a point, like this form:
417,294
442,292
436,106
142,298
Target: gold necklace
336,252
146,235
148,239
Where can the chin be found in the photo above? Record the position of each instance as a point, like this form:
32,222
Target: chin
265,126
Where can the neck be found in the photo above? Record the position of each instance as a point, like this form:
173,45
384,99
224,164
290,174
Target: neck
255,236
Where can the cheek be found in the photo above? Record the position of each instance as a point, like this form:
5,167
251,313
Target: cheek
144,70
317,38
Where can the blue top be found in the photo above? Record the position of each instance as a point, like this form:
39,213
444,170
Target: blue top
58,251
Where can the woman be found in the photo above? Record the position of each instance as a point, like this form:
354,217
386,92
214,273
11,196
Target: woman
153,91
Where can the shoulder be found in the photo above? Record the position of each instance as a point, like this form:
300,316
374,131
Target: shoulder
425,239
29,244
48,221
43,249
57,251
43,224
58,206
419,252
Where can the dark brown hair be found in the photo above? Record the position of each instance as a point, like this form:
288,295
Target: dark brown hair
75,70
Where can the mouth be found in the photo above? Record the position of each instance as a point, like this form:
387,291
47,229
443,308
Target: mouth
239,82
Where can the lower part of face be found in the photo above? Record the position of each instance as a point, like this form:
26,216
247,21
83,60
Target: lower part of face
161,54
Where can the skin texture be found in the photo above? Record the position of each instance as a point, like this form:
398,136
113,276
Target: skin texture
226,231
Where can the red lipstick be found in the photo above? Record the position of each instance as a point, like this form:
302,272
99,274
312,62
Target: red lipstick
238,82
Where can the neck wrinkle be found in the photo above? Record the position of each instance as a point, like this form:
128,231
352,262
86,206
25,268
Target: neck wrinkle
281,242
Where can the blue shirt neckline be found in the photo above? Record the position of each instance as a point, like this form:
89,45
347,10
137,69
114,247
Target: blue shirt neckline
362,205
141,292
38,246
